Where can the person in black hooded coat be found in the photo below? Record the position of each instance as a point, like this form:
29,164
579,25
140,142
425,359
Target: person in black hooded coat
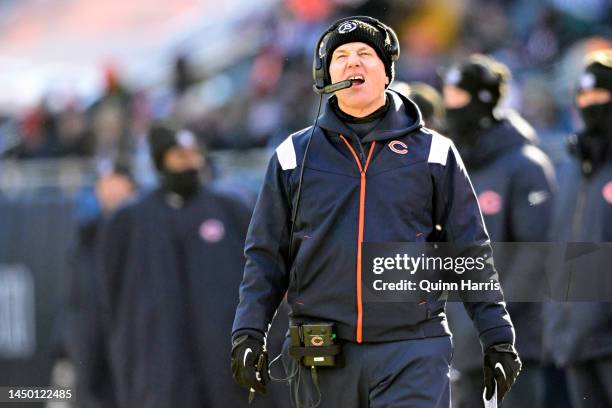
579,332
172,263
515,184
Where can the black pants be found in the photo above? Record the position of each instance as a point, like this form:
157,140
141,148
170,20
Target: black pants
407,373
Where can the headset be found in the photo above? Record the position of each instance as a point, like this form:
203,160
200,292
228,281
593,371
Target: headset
322,81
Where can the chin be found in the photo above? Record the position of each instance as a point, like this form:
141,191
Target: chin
357,101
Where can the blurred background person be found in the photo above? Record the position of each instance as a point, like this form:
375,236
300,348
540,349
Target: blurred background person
429,101
84,334
579,334
514,181
171,264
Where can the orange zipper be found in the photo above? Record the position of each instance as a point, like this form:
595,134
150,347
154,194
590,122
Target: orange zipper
362,192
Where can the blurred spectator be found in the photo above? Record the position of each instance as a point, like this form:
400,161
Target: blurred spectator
579,334
428,100
84,335
74,136
171,264
38,130
514,182
110,117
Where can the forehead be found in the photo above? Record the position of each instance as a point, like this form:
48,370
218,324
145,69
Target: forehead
178,150
596,92
353,46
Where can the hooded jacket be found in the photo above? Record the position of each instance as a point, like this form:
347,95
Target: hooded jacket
515,184
399,183
580,331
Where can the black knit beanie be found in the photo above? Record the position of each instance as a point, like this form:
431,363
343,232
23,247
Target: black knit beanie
597,71
164,136
359,31
483,77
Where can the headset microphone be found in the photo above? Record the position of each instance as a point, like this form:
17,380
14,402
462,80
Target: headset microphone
334,87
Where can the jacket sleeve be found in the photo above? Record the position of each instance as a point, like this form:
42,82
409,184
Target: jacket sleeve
530,209
457,216
265,279
531,202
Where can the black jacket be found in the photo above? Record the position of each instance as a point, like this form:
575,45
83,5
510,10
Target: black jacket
579,331
356,192
84,334
514,181
171,276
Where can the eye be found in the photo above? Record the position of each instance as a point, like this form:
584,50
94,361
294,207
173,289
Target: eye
365,53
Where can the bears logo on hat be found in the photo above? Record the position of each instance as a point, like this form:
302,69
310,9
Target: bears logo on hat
359,31
347,27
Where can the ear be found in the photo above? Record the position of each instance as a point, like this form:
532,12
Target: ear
388,80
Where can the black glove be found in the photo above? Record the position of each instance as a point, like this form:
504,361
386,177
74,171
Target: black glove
250,362
502,365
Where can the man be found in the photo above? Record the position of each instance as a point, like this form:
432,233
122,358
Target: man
172,263
579,334
371,173
84,334
514,182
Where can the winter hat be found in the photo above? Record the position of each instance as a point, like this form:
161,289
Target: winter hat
360,31
597,71
482,76
164,136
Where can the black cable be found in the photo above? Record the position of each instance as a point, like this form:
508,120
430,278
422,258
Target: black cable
299,189
290,253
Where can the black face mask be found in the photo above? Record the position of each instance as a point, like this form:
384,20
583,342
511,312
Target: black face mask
184,183
465,123
598,118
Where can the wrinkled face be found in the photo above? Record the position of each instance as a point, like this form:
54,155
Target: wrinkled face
596,96
178,159
359,60
455,97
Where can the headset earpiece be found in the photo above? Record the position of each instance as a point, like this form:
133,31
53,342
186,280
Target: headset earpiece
394,47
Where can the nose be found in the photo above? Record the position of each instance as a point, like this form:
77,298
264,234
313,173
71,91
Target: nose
353,59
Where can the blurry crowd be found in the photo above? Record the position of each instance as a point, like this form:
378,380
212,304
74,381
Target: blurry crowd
259,100
251,103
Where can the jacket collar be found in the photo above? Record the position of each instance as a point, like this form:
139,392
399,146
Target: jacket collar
402,118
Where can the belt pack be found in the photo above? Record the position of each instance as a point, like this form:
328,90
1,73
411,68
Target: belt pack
314,344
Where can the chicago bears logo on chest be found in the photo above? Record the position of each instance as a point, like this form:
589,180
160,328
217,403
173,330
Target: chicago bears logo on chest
606,191
398,147
212,230
490,202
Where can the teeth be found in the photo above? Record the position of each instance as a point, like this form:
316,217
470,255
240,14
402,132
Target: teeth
357,77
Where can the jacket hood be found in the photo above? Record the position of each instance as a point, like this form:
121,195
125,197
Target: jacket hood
391,126
511,132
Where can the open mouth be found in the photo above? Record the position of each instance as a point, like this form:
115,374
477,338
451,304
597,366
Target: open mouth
357,79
